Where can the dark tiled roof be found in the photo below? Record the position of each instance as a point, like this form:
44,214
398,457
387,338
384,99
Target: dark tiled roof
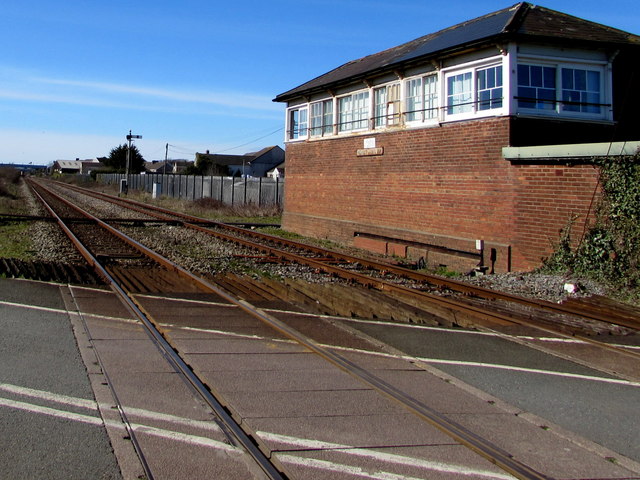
221,159
519,21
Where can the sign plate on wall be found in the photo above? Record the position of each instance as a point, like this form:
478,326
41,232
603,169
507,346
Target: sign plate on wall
365,152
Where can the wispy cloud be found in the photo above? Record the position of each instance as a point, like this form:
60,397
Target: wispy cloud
227,99
17,85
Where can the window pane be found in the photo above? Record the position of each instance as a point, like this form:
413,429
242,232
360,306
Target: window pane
536,87
593,81
316,119
482,79
580,79
345,114
581,90
490,91
536,76
526,97
547,99
592,98
459,94
303,125
549,74
293,124
431,96
523,75
414,99
567,78
380,106
327,118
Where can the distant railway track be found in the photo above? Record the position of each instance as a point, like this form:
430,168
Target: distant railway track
115,257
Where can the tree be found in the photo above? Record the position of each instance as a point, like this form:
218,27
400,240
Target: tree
117,159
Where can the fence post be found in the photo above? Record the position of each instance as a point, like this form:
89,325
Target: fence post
245,191
260,192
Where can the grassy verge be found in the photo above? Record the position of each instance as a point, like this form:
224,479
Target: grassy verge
14,241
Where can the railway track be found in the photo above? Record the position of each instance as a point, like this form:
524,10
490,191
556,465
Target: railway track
453,302
118,259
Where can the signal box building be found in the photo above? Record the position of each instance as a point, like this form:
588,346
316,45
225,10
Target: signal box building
472,146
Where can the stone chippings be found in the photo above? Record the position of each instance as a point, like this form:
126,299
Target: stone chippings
206,255
50,244
537,285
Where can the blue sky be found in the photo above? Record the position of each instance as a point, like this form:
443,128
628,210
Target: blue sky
76,76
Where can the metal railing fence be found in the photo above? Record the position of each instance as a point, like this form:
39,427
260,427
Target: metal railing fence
260,191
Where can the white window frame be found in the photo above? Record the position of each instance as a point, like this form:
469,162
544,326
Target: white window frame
290,131
326,117
426,107
473,109
560,111
388,113
358,112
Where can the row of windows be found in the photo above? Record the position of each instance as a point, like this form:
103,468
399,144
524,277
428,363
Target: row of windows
544,89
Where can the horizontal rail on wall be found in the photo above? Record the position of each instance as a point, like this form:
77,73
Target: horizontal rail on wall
475,254
260,191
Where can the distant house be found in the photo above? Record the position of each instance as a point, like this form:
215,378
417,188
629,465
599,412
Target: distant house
277,171
167,166
471,144
76,166
90,165
255,164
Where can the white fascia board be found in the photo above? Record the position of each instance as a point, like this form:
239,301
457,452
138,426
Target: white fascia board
572,150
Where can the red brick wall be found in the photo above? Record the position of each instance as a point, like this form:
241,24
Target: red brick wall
445,186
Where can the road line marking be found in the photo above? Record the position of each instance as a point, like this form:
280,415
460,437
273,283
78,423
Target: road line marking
51,412
92,405
434,360
552,373
49,396
62,311
378,475
97,421
184,438
32,307
380,456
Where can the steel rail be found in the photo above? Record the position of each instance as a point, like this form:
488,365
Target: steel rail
233,430
196,222
481,446
453,306
105,276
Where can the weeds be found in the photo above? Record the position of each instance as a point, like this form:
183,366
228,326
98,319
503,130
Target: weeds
609,250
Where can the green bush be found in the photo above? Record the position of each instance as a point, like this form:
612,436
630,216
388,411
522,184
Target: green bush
609,250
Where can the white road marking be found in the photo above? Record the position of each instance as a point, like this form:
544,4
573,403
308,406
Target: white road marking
33,307
64,311
51,412
379,456
93,406
378,475
49,396
184,438
615,381
97,421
